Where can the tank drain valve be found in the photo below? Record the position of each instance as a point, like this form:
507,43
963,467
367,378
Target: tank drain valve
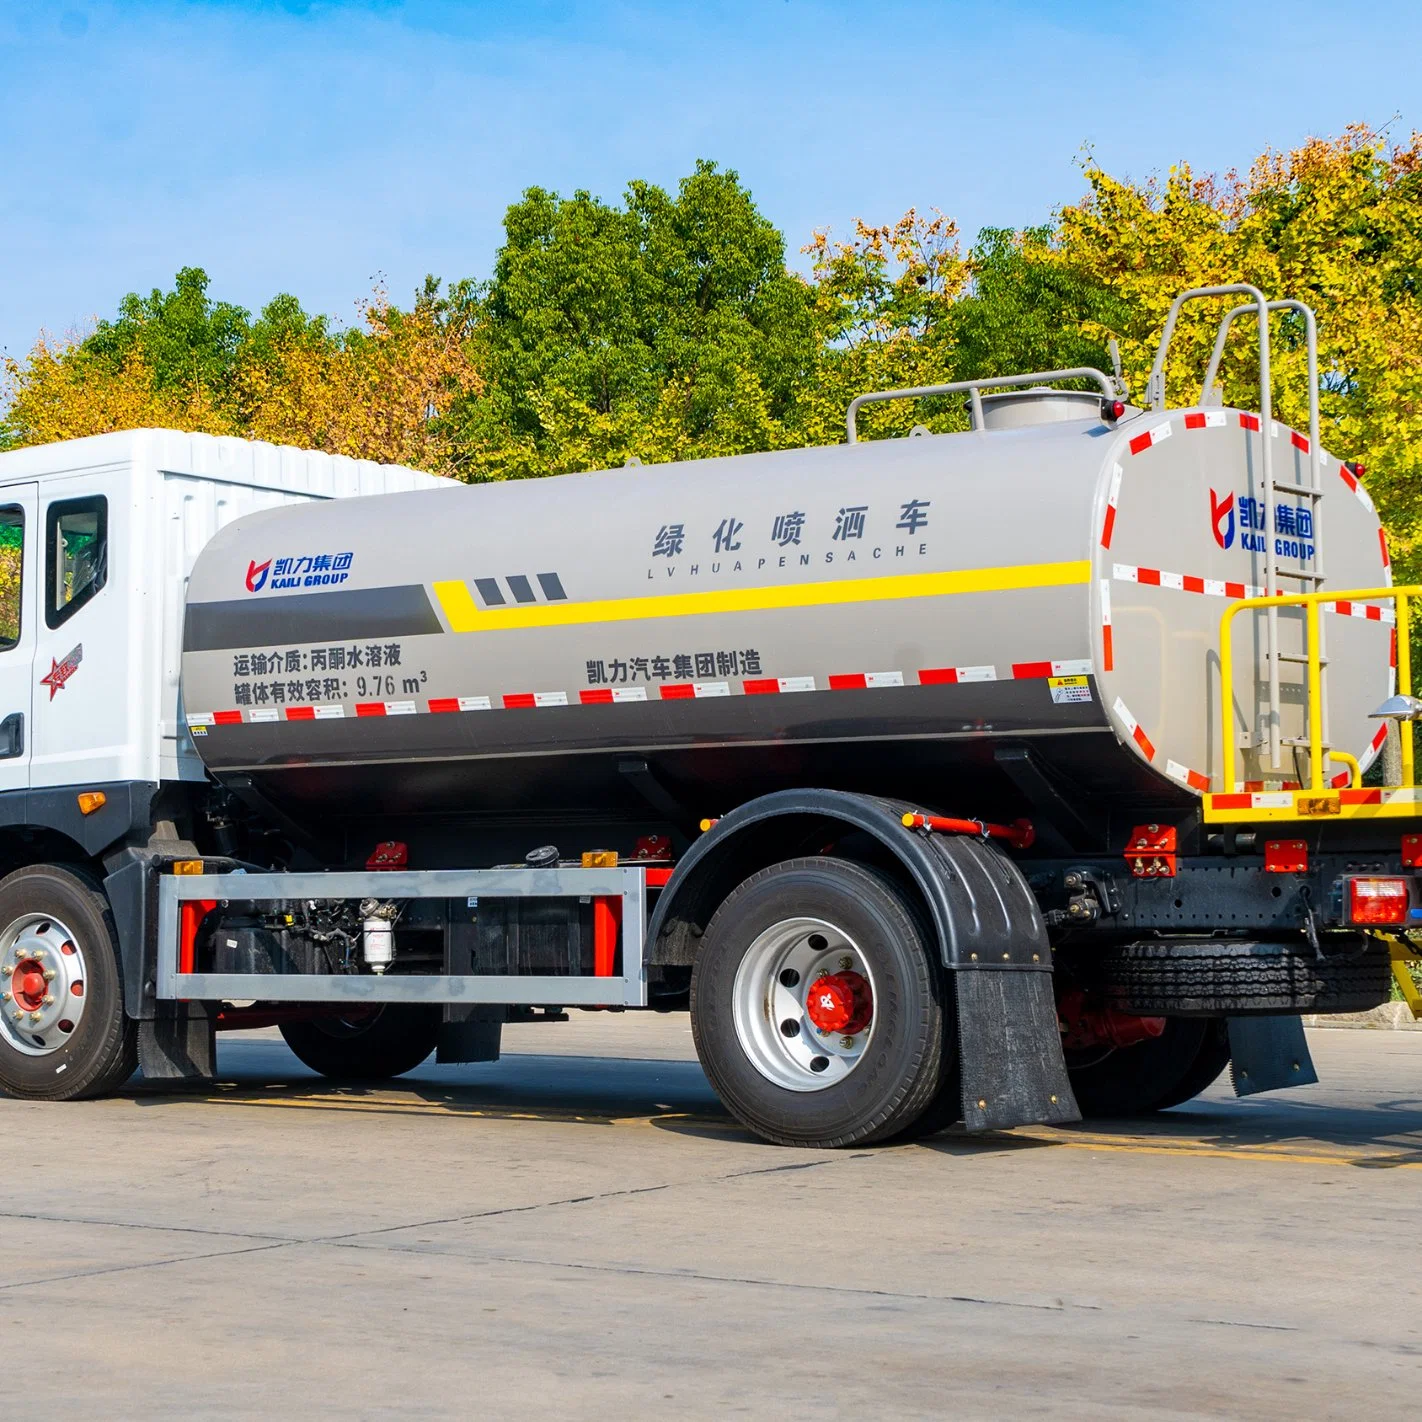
377,942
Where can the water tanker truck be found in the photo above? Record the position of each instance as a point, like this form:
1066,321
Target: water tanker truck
990,777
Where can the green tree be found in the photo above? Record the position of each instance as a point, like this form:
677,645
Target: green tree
664,328
184,338
1027,310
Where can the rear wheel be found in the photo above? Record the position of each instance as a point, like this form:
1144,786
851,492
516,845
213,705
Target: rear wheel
817,1005
1147,1077
63,1030
1210,1061
371,1044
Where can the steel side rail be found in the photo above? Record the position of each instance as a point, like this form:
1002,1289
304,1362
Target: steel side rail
629,989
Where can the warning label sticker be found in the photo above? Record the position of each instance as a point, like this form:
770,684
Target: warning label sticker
1069,689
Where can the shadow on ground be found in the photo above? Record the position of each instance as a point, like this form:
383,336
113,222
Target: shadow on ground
673,1095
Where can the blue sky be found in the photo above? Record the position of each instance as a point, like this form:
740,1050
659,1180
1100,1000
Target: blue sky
309,146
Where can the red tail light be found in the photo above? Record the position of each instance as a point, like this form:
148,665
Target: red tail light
1378,900
1112,409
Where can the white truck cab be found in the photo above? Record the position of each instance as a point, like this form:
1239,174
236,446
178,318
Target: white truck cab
97,539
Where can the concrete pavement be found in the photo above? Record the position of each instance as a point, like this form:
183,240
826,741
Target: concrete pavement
580,1230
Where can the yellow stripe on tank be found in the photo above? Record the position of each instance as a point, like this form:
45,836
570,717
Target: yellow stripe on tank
465,615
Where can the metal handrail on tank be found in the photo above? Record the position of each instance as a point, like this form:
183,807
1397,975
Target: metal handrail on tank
974,389
1401,597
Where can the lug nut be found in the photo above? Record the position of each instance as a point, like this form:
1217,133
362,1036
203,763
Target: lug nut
846,1041
48,998
846,963
35,1016
4,997
49,975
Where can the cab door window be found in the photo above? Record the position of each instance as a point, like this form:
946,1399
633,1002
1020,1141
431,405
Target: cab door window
12,559
76,555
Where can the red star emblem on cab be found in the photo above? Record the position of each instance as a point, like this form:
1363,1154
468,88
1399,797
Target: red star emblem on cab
60,672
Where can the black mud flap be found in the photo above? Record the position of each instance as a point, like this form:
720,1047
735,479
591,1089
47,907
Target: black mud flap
179,1043
470,1033
1267,1054
1011,1051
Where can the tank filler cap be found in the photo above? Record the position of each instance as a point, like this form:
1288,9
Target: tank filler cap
1046,405
544,857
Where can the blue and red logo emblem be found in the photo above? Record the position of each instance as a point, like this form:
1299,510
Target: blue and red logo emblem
257,575
1221,519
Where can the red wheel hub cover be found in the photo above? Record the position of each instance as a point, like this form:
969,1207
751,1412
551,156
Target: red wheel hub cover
840,1002
27,985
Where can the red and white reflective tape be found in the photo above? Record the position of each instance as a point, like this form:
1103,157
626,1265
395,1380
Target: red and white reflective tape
524,700
1134,727
1365,610
1150,438
1186,776
622,695
941,676
614,695
1205,420
1108,654
460,703
1355,484
1374,747
866,681
1113,497
771,685
691,690
1183,582
1033,671
1215,587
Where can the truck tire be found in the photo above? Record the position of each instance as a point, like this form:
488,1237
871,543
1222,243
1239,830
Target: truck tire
1210,1061
63,1030
1138,1080
1223,978
366,1046
857,1061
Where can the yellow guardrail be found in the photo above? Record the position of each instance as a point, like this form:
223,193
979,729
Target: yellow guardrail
1312,603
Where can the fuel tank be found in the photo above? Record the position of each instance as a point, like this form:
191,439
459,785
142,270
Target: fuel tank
886,616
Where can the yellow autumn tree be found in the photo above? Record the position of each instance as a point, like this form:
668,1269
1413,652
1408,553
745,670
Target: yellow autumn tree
882,302
63,392
1337,223
382,392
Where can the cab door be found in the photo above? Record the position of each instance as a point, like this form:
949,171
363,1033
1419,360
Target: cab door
19,583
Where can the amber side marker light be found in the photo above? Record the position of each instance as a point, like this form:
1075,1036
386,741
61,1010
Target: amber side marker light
1378,900
91,800
187,866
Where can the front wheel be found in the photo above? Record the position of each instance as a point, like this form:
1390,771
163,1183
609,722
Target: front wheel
817,1005
366,1044
63,1030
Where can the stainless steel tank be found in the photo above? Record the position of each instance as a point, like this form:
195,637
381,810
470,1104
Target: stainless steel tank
880,616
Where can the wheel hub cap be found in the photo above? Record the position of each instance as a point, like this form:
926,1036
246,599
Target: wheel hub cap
840,1002
42,974
803,1004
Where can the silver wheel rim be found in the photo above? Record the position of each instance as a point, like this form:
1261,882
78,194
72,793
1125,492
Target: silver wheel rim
769,997
43,990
